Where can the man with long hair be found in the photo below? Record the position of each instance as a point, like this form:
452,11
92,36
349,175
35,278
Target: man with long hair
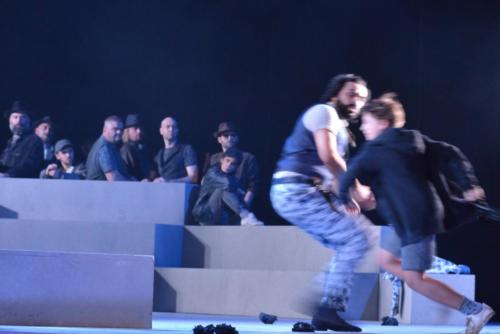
311,162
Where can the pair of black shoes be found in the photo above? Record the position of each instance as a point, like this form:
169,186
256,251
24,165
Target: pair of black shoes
328,319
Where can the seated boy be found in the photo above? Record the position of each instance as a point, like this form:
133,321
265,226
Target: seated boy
64,153
219,202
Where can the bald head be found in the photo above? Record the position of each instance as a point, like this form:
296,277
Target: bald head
112,129
169,129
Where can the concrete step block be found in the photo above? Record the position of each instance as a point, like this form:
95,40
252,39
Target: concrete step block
249,292
75,289
95,201
162,241
267,247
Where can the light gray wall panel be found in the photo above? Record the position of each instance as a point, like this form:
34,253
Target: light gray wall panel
75,289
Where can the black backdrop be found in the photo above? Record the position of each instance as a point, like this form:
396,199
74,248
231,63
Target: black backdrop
260,63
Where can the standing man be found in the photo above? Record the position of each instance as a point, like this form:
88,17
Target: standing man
175,162
133,151
104,161
248,170
23,156
44,130
312,160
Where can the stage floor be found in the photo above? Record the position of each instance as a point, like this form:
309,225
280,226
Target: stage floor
174,323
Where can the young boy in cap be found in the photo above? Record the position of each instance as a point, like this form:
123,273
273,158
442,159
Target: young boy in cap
64,153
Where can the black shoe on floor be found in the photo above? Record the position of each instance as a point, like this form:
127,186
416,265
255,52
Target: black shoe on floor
325,319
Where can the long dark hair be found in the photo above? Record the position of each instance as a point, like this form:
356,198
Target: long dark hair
337,82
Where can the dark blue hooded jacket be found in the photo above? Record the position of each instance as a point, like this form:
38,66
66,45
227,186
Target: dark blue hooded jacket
402,167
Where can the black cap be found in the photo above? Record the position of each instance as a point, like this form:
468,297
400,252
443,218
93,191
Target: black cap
225,127
17,107
45,119
132,120
61,145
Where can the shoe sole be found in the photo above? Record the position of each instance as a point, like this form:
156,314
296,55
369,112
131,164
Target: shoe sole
488,318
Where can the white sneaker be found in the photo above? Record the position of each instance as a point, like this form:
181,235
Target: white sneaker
251,220
475,322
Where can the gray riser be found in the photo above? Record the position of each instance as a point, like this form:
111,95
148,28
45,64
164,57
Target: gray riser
67,236
162,241
248,292
75,289
419,310
95,201
268,247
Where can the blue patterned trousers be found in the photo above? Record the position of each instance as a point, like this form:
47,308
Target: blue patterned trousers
305,207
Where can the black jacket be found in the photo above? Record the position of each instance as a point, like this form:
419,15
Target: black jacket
451,174
136,157
214,179
410,177
24,158
247,172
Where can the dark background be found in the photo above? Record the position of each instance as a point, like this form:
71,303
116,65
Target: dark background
260,63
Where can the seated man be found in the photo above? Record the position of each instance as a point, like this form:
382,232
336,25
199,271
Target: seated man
175,162
248,170
104,161
23,156
133,150
44,129
65,154
219,198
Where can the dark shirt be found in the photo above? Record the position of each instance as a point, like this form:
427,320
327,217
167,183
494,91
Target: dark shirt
77,173
214,179
24,157
394,165
247,172
103,158
171,163
136,159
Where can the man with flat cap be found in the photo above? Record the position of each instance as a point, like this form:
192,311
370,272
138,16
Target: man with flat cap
133,151
247,172
23,156
65,154
44,129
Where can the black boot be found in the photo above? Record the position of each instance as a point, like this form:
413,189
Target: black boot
327,318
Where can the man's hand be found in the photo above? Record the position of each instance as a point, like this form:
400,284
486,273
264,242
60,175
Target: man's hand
351,208
159,179
364,197
474,194
51,171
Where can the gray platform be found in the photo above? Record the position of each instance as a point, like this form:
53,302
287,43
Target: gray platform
248,292
95,201
162,241
268,247
75,289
